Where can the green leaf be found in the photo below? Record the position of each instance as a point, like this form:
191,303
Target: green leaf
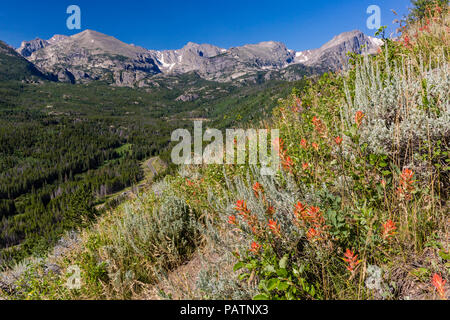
272,284
444,255
282,273
244,276
238,266
283,285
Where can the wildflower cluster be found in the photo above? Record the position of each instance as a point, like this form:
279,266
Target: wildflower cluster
286,160
352,261
311,218
319,127
439,285
406,184
388,229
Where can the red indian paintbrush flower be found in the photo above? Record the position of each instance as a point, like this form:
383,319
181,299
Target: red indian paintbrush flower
257,189
312,234
287,163
285,159
439,284
255,247
352,260
389,229
406,183
406,41
319,126
359,116
241,207
232,220
305,166
274,227
304,143
299,210
338,140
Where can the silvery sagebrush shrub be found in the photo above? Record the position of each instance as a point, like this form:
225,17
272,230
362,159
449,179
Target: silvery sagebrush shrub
149,237
405,108
218,281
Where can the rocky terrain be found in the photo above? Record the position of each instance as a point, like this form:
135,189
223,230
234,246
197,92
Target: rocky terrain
91,55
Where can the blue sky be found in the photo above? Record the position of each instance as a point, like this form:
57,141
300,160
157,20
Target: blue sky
301,24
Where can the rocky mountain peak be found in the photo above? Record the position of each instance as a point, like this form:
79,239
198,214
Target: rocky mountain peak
91,55
333,54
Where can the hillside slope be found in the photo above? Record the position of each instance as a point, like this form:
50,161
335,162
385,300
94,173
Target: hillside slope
15,67
357,210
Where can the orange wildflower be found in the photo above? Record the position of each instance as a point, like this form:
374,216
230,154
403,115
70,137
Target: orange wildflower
304,144
274,227
255,247
287,163
406,183
319,126
257,189
359,116
338,140
232,220
305,166
241,206
312,234
278,145
299,211
406,41
313,215
352,260
439,284
389,229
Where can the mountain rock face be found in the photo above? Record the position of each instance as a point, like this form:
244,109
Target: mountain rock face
28,47
91,55
190,58
333,55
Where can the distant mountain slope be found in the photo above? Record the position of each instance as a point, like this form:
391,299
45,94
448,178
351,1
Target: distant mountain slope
91,55
14,67
333,55
28,47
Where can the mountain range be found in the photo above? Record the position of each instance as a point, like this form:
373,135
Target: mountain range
91,55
